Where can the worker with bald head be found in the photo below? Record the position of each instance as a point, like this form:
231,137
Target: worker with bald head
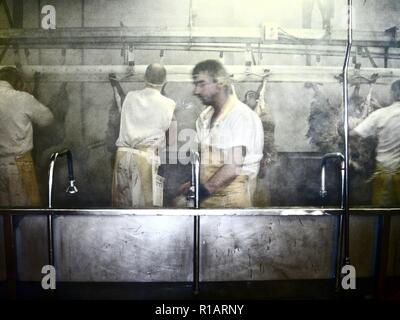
146,116
19,110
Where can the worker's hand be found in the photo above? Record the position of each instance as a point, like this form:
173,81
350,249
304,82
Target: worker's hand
179,202
261,173
263,168
375,104
180,198
355,166
184,188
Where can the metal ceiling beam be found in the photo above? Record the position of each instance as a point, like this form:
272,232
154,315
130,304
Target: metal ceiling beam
209,47
182,73
100,37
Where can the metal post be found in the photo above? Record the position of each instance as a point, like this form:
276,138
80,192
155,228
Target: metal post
50,238
382,254
341,217
340,236
196,256
50,243
196,228
11,256
386,57
339,253
346,133
70,189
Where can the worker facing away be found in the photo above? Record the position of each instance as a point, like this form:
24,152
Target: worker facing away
384,124
146,115
230,139
18,112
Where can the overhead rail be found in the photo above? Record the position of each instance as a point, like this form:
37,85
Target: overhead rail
116,37
182,73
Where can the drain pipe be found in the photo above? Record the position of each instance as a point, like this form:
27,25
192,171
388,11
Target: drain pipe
344,225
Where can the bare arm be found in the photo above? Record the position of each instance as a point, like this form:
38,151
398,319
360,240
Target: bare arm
37,112
225,175
228,172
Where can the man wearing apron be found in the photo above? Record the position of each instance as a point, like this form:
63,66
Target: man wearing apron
230,137
18,112
145,117
384,124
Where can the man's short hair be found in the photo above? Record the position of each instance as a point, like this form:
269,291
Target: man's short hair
214,69
155,74
395,88
11,75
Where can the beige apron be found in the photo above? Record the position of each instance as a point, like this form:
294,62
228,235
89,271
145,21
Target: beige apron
135,180
260,191
235,195
386,188
18,182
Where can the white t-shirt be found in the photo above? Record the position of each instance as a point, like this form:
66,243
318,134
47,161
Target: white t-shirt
145,117
18,110
385,125
240,127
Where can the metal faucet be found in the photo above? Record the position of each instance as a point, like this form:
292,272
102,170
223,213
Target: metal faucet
72,187
342,233
323,192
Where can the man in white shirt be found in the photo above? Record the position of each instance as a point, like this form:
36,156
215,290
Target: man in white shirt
230,136
384,124
18,111
145,117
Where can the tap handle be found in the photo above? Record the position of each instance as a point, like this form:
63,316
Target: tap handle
71,176
191,194
68,153
330,156
54,156
194,157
